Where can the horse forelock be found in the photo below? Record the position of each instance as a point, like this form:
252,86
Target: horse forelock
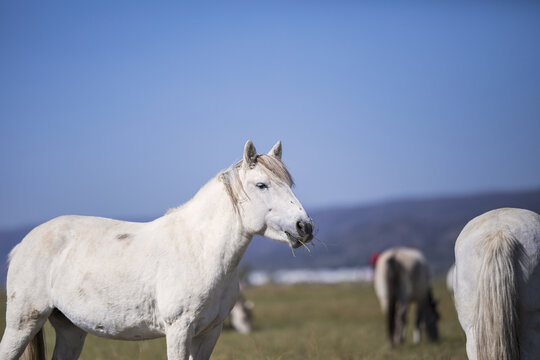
230,178
276,168
273,166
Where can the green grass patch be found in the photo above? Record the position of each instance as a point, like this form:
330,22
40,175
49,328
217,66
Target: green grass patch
302,322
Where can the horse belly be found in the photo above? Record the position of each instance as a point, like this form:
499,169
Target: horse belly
109,305
104,283
120,320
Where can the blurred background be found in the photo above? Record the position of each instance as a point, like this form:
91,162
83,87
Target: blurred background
124,110
399,121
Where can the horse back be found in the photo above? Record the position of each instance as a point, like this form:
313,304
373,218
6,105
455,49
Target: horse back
414,274
67,243
402,273
48,240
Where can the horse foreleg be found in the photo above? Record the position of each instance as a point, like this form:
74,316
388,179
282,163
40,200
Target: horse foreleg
69,338
203,346
179,337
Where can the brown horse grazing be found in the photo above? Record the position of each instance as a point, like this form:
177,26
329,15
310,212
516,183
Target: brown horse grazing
401,278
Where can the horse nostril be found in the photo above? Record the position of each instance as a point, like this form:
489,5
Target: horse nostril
304,228
300,227
308,228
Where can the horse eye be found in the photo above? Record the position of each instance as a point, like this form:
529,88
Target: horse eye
262,186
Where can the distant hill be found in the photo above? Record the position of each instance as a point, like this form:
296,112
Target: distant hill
347,236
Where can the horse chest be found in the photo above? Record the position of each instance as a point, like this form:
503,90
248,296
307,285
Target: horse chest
215,309
204,302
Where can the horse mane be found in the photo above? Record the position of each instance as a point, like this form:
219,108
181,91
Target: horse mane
272,165
230,177
496,322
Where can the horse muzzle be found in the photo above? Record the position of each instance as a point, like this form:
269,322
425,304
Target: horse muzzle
305,230
305,233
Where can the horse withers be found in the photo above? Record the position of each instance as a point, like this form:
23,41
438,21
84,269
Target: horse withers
401,278
497,285
176,276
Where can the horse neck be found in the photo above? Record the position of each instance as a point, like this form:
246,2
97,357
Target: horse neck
213,228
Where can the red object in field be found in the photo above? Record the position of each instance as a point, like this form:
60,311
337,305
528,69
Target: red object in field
373,258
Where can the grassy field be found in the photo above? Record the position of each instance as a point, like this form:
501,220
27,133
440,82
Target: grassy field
303,322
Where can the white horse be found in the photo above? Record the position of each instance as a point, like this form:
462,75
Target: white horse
402,277
241,315
497,285
176,276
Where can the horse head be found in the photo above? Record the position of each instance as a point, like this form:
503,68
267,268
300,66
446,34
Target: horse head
261,186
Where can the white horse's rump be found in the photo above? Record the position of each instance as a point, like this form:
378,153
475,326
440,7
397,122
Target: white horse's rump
497,285
401,278
175,276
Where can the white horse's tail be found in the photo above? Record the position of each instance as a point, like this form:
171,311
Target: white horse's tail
497,322
36,349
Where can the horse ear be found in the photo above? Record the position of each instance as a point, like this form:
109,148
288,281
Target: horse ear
250,154
276,150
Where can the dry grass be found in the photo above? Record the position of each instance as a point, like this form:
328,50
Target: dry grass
303,322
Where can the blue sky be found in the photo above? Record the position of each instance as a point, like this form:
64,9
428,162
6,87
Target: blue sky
124,109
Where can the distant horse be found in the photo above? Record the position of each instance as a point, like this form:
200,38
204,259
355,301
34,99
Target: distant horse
176,276
401,278
497,285
241,315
